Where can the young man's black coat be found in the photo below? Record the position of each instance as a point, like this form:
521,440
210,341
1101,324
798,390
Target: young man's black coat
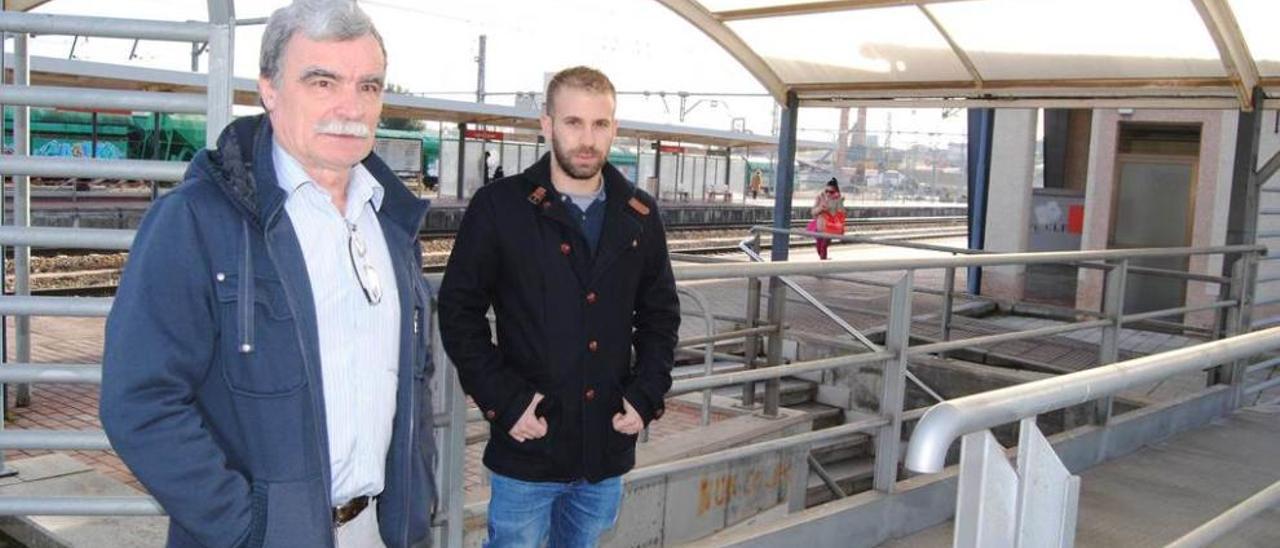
568,321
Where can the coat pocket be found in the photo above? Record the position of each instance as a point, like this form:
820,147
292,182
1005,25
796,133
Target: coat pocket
618,443
296,513
272,366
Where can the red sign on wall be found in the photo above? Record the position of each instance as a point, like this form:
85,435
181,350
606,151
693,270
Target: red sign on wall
484,135
1075,219
671,149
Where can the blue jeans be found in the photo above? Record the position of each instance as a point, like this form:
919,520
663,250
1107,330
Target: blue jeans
561,515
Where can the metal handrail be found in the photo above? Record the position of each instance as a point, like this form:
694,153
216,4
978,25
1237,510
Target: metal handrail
1230,520
104,27
1186,276
745,247
44,166
103,99
708,351
757,270
947,421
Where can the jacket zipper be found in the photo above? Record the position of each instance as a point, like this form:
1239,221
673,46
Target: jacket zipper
320,435
413,410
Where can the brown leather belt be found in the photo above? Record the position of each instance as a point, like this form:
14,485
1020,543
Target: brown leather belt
350,510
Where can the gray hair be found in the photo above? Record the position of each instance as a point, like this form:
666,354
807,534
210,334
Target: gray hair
321,20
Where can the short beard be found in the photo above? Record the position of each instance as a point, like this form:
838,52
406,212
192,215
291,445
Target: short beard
565,159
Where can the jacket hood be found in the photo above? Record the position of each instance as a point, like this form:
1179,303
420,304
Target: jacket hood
242,168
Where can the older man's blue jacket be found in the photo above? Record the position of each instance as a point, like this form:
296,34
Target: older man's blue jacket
211,389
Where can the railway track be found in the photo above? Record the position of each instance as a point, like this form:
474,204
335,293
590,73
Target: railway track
70,272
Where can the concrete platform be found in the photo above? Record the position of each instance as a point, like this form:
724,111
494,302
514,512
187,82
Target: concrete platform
1161,492
61,475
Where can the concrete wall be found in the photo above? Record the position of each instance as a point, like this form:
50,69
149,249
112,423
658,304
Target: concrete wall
1212,195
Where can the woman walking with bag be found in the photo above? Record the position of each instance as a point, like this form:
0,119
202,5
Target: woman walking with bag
828,215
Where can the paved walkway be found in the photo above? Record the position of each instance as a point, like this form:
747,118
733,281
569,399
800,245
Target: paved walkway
1162,491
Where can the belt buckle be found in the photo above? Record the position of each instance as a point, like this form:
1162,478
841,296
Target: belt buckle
349,511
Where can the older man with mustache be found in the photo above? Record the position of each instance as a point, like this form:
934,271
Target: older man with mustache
267,363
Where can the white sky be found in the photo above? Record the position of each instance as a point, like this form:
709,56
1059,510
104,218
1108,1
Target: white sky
431,45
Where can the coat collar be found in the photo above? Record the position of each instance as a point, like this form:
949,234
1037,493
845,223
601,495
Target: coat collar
243,167
622,226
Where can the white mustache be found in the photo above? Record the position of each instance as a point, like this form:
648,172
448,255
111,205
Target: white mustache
343,128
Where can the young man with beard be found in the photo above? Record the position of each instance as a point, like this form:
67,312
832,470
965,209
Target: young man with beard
573,260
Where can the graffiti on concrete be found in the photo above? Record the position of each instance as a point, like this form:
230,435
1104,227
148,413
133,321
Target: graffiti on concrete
715,491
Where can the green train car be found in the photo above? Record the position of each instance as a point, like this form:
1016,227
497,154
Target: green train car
172,137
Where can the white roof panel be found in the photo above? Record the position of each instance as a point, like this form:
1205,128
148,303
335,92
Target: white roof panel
961,52
881,45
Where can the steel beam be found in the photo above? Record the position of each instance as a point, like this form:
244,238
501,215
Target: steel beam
1221,23
714,28
981,127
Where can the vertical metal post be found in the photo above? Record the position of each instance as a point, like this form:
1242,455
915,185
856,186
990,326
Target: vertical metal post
780,243
462,157
93,134
1242,216
777,315
22,213
705,161
893,384
451,471
1112,309
784,179
981,127
657,170
728,166
4,320
1234,324
751,347
5,471
948,301
222,24
480,61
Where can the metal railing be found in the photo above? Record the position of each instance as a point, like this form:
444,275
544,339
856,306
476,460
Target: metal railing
1228,521
884,426
215,104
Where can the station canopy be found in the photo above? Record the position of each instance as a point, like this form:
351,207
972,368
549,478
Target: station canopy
977,53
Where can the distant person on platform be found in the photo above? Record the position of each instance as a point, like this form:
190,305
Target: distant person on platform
573,261
498,173
757,183
267,360
828,215
484,169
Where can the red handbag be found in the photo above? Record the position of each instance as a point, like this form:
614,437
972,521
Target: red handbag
833,223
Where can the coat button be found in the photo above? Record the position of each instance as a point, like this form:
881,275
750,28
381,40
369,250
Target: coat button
593,346
490,415
565,249
591,394
635,243
591,297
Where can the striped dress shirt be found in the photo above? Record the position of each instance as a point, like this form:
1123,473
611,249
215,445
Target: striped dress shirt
359,342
